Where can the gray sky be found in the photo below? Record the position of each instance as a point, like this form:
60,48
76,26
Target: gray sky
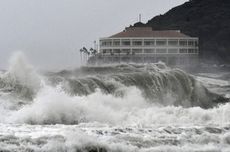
50,32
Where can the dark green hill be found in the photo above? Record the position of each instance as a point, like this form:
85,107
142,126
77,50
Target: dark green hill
207,19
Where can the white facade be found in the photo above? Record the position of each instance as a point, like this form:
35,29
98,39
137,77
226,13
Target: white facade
148,46
143,45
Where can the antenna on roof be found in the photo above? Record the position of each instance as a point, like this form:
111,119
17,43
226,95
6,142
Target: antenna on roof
139,17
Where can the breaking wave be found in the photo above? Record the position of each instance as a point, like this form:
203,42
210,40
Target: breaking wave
156,82
125,108
21,80
118,94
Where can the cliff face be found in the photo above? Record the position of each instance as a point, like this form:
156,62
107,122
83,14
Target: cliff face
207,19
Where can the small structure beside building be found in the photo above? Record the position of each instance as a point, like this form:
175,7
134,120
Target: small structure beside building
145,45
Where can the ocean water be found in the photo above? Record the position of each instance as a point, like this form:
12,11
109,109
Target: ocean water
116,108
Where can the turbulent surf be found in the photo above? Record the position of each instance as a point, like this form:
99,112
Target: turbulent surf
125,107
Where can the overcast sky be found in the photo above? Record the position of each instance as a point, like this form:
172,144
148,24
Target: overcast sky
51,32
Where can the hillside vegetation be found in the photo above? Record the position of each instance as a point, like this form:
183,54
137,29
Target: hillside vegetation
207,19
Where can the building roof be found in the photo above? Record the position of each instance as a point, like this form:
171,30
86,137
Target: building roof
148,32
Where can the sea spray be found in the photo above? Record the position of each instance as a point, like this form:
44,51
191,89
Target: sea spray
54,106
20,71
21,79
156,84
126,108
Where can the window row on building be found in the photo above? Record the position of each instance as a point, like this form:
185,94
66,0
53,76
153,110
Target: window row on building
146,45
150,51
148,42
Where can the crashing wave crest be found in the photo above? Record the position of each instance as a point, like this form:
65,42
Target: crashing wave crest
21,80
117,94
155,81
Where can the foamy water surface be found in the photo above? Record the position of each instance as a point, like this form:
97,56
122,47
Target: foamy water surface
147,108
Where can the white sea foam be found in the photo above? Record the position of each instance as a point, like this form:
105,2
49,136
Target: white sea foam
99,120
52,106
21,72
75,138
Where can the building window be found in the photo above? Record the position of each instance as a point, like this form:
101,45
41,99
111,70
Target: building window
161,50
172,42
137,42
103,43
183,50
103,51
106,51
126,51
126,42
149,42
172,50
106,43
183,43
191,51
149,51
117,51
161,42
109,43
136,51
191,43
116,43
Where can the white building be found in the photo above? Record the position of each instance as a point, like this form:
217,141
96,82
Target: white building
144,45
